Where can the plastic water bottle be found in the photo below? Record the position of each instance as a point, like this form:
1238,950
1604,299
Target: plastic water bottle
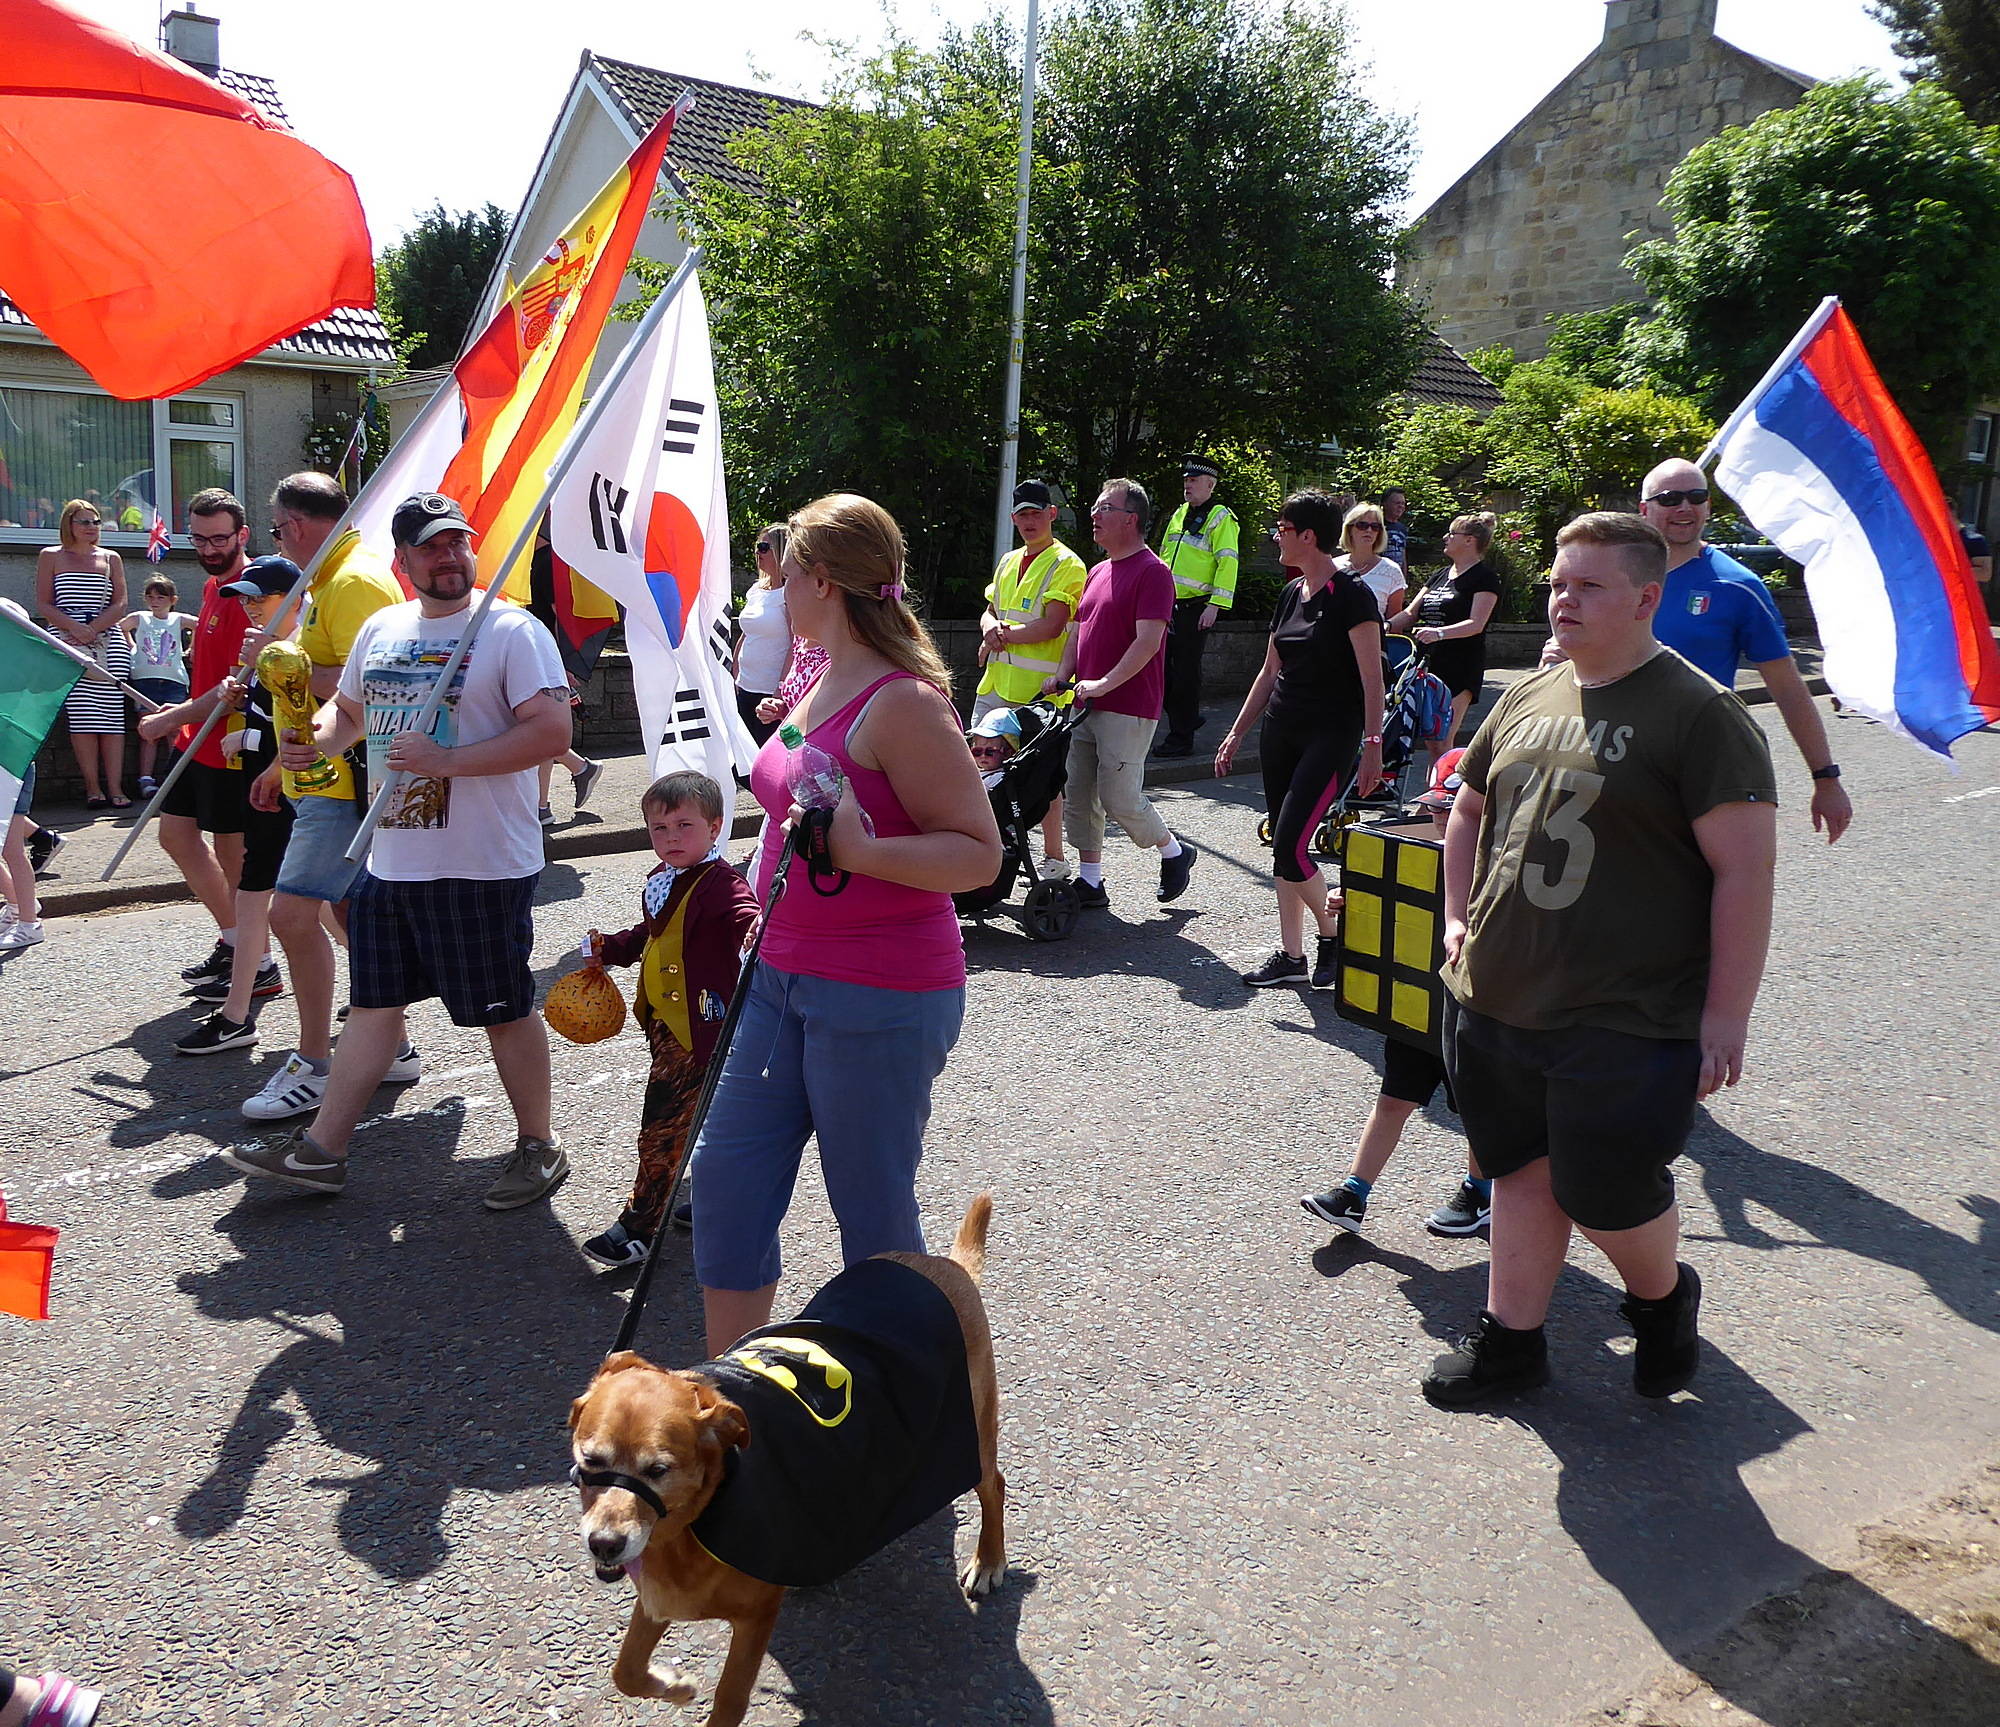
811,775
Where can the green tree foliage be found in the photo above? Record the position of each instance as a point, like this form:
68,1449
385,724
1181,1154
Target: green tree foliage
428,284
1587,344
1893,203
1211,242
1955,43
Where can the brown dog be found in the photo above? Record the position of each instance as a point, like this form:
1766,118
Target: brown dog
668,1435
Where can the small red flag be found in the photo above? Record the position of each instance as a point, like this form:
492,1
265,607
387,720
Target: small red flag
99,137
27,1256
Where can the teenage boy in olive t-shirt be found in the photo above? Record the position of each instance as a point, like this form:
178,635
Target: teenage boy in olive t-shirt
1607,908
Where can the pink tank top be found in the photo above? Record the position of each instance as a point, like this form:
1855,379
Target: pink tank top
872,932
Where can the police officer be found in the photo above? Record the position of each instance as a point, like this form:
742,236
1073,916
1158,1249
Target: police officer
1200,549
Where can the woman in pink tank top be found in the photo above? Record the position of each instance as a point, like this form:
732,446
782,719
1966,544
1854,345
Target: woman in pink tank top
858,995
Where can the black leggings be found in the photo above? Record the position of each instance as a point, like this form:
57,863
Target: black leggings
1303,764
746,705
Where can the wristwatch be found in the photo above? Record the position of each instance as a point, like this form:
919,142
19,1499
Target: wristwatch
1830,772
1377,738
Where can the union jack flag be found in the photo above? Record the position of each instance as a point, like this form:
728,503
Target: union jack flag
158,540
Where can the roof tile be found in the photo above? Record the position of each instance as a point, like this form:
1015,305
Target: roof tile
701,140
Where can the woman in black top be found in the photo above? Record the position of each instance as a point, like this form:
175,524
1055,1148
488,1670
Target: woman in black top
1451,613
1320,694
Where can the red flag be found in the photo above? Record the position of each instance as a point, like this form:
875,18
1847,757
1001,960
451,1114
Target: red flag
27,1255
99,140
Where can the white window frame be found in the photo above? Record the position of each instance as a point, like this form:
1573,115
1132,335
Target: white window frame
164,432
1980,437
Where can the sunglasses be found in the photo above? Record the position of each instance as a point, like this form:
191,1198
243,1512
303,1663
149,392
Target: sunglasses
1693,495
763,547
1367,528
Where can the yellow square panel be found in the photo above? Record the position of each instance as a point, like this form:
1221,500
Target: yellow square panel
1363,853
1361,921
1362,989
1417,867
1410,1006
1415,928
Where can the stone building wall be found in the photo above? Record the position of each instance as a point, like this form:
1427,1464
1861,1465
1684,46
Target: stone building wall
1540,224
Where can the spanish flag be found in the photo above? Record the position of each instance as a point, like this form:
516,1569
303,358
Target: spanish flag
489,435
102,142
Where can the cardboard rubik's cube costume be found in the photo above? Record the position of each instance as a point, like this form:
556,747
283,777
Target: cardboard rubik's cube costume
1392,932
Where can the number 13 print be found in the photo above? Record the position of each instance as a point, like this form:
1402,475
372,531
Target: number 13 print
1561,800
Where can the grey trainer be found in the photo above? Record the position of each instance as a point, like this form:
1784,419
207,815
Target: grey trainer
291,1158
537,1168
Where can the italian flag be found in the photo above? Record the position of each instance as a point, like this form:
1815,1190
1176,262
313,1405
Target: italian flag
35,675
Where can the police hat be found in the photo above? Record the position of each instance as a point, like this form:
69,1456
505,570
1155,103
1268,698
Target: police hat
1192,465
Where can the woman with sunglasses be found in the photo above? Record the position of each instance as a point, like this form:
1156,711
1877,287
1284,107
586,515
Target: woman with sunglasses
764,636
80,591
1364,549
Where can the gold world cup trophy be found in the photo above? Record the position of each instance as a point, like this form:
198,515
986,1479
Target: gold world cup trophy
284,670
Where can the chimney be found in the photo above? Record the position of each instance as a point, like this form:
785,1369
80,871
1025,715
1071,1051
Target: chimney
1630,23
195,39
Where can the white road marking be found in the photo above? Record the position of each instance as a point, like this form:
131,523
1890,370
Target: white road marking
1967,797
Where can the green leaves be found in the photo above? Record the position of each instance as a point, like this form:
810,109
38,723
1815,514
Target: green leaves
429,283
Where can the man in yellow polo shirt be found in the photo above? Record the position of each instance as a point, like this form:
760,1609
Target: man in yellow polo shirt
350,586
1029,605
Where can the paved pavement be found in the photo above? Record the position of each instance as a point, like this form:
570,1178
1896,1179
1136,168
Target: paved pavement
294,1461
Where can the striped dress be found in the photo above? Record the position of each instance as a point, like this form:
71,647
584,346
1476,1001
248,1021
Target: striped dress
94,705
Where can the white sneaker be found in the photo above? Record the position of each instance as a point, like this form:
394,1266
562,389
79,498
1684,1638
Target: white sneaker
9,917
20,933
293,1090
1055,869
407,1067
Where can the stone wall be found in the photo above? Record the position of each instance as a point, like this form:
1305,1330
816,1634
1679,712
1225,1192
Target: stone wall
1540,224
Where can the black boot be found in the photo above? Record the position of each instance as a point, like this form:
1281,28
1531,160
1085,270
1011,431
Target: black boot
1489,1361
1669,1348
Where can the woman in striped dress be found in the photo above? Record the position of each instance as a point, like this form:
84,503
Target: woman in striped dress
80,589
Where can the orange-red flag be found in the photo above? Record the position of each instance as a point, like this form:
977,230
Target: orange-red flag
27,1255
155,227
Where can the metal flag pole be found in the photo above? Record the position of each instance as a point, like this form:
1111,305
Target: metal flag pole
1010,413
558,472
144,703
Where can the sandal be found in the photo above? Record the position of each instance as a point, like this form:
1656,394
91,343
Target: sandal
121,802
97,803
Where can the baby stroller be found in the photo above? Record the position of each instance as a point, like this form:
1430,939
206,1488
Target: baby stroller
1032,779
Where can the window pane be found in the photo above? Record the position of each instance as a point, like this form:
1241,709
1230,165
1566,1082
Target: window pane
201,413
199,463
60,444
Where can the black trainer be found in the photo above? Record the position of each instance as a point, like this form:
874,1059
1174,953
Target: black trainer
1090,895
1281,967
268,983
216,965
682,1215
1669,1349
43,844
1490,1360
215,1034
616,1247
1174,873
1340,1206
1467,1212
1326,962
1173,749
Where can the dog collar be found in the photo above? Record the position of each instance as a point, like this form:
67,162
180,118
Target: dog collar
582,1477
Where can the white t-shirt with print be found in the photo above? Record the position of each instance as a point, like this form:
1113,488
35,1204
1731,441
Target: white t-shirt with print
475,827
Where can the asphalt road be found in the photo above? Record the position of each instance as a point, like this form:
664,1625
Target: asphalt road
286,1460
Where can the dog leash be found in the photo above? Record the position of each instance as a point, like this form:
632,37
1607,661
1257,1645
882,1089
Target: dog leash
726,1035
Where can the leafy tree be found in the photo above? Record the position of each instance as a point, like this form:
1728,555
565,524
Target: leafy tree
1892,203
1955,43
429,283
1586,344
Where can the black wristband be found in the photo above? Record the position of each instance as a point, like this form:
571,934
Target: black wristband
1830,772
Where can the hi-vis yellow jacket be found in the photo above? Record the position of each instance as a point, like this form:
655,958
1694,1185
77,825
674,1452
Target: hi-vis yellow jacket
1203,560
1020,595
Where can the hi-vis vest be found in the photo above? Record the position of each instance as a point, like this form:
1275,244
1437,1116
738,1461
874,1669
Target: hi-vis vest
1020,596
1203,560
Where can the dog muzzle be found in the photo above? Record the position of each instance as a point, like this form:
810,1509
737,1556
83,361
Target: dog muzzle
582,1477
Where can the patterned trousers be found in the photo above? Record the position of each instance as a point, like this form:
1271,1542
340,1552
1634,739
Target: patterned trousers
671,1090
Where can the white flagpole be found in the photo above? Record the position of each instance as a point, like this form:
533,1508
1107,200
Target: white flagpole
1813,326
558,471
1010,413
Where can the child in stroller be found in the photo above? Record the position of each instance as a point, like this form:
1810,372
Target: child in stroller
1023,756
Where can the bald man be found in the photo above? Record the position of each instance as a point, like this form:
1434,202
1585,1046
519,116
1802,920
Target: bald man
1717,614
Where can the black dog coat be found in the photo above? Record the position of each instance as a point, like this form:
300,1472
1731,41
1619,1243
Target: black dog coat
861,1426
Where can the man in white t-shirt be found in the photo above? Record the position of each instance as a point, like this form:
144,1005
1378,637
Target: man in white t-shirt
444,906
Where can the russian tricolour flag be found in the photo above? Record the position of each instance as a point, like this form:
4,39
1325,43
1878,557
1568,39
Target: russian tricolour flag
1822,461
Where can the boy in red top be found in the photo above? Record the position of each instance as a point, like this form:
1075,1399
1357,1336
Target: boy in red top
698,914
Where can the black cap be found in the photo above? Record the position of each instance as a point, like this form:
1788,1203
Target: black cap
423,514
1192,465
263,577
1033,495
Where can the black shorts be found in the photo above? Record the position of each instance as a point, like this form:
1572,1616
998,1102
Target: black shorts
217,799
1412,1075
265,836
465,942
1609,1110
